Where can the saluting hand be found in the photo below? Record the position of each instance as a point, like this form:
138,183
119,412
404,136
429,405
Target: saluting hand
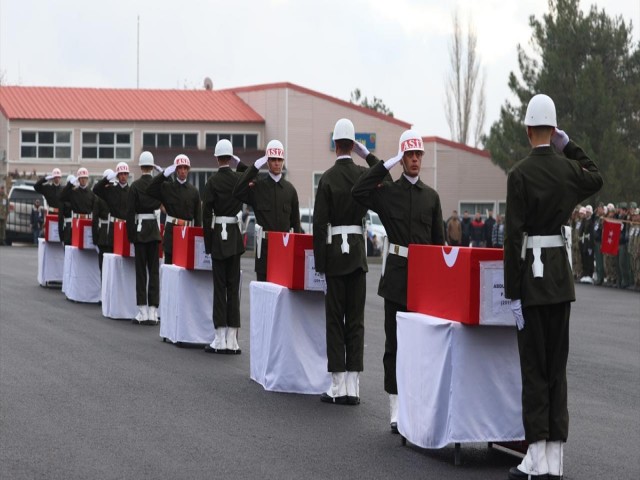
392,162
360,149
559,139
261,162
169,170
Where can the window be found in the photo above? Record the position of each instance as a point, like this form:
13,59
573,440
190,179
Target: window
244,141
45,144
170,140
502,208
106,145
480,207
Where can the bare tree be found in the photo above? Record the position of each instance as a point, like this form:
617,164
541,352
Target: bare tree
465,97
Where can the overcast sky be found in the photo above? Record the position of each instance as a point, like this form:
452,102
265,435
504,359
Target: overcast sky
396,50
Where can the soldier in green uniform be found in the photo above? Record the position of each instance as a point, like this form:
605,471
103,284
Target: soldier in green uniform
597,241
114,190
223,240
274,201
340,253
181,201
542,190
144,232
411,213
51,192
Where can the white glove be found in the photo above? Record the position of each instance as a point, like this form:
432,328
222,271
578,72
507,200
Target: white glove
72,179
48,177
392,162
360,149
261,162
158,168
559,139
111,175
169,170
516,309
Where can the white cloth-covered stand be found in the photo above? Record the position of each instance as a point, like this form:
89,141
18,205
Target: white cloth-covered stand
81,275
186,303
50,262
118,286
288,339
457,383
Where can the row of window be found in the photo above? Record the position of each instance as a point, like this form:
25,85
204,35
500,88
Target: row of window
117,145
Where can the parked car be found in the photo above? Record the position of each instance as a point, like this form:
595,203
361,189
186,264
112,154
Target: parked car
306,220
21,199
249,232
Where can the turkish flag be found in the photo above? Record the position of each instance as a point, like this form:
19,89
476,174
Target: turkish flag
611,237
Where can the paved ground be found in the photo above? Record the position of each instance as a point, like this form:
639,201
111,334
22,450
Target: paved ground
85,397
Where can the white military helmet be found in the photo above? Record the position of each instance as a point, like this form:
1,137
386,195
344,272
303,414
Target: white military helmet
146,159
410,140
82,173
275,149
223,148
344,130
182,159
56,173
541,111
122,167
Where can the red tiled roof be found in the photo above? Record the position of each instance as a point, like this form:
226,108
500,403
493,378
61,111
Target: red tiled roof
293,86
459,146
107,104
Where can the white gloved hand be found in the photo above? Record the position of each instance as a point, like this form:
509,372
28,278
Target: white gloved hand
169,170
516,309
235,161
392,162
111,175
261,162
360,149
48,177
72,179
158,168
559,139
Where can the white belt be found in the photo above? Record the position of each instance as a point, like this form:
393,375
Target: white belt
102,222
145,216
537,243
179,221
393,249
115,219
260,233
224,221
344,231
68,219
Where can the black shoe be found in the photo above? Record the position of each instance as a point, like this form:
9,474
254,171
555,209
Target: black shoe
326,398
555,477
233,352
148,322
515,474
394,428
353,400
210,349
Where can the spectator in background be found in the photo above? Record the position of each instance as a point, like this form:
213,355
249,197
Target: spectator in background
466,229
497,233
477,231
37,220
3,214
488,229
597,243
454,229
610,261
586,245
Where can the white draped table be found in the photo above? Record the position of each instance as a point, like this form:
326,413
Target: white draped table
50,262
288,339
118,286
457,383
81,275
186,305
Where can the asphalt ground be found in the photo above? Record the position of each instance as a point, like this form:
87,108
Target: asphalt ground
86,397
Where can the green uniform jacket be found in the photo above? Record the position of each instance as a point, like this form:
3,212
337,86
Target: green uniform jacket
335,205
219,201
81,199
274,203
116,198
409,213
542,191
140,202
100,212
179,200
50,191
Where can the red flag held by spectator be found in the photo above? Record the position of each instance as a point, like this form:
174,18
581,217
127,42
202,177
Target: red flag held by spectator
611,237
